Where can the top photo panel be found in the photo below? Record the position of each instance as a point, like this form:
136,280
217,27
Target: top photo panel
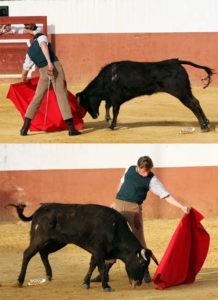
109,71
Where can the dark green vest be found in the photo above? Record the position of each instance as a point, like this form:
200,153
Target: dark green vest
135,187
36,55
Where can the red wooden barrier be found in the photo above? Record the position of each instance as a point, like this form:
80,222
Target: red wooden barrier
13,47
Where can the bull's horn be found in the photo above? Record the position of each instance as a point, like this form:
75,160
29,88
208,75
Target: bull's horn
154,259
143,254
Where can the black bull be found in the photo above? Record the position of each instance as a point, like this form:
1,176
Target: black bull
121,81
100,230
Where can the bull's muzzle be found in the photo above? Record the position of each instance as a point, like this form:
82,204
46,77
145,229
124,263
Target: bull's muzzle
134,283
95,116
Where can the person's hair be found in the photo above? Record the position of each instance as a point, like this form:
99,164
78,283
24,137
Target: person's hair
145,162
37,35
32,26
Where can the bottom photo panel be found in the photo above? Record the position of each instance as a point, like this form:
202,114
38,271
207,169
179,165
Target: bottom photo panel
136,220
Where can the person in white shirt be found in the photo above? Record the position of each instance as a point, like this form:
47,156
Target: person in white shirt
41,54
134,186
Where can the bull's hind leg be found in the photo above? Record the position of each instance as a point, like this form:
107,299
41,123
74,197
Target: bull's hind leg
92,266
28,254
193,104
201,111
51,247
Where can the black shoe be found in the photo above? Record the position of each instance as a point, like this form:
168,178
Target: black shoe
72,130
147,277
25,126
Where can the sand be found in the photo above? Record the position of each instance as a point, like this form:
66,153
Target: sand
149,119
70,265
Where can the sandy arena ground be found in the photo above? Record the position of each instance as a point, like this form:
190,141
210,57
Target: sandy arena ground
70,265
150,119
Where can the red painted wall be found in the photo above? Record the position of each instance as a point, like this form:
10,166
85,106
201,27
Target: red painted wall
83,55
192,186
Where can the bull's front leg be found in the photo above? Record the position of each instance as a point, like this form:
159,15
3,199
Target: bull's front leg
107,111
116,109
104,276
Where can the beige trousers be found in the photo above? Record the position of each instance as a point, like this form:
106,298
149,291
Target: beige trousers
132,212
59,85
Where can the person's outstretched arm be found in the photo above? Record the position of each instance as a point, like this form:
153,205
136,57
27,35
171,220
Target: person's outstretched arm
176,203
157,187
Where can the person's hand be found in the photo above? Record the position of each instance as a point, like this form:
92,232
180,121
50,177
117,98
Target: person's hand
50,69
186,209
24,75
24,78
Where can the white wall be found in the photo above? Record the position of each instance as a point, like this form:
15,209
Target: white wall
94,156
95,16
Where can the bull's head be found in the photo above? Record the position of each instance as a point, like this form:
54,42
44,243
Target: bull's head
90,103
137,266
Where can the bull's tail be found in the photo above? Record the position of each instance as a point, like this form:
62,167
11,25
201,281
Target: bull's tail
20,208
208,70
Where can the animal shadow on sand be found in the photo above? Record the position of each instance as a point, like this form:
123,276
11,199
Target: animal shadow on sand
103,125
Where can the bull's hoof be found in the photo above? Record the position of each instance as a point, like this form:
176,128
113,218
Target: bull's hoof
108,289
49,277
19,284
108,120
205,129
86,285
112,127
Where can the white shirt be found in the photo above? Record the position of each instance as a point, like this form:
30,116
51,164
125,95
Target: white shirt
28,63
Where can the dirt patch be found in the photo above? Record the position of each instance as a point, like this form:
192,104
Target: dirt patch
70,265
150,119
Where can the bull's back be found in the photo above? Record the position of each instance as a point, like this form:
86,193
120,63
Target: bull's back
134,79
77,223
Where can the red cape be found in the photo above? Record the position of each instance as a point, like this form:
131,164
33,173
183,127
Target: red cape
21,95
185,253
